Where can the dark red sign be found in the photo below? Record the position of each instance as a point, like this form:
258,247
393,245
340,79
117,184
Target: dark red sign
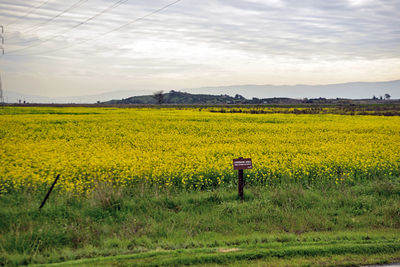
242,164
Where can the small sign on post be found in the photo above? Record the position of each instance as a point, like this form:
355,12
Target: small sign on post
241,164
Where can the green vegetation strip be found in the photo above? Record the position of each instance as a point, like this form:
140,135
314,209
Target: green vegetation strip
226,255
157,227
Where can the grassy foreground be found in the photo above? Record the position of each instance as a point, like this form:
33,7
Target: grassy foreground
290,224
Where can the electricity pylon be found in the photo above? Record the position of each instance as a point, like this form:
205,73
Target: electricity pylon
2,48
2,38
1,93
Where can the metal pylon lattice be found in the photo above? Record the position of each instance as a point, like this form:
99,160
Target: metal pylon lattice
2,38
2,48
1,93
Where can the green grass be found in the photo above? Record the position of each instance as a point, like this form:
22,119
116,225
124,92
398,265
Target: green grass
332,260
152,227
243,254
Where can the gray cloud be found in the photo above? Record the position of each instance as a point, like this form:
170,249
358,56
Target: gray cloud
292,27
211,38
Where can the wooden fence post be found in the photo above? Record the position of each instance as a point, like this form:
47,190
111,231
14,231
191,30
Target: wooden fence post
48,193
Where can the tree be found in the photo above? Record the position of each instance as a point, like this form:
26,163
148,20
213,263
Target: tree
159,97
237,96
256,100
387,96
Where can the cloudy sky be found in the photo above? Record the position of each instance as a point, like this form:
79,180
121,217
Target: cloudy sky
83,47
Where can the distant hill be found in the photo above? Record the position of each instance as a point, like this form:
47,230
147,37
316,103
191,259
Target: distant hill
177,98
174,97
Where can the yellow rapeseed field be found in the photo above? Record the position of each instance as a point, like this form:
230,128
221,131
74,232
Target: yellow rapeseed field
189,148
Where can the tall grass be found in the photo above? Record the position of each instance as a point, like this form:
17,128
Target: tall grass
112,221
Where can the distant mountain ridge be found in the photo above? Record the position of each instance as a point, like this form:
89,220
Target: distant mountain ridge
352,90
13,97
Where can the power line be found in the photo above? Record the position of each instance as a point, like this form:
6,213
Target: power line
104,34
115,5
75,5
37,26
32,9
142,18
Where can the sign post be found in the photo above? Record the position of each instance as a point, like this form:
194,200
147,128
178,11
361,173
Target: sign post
241,164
